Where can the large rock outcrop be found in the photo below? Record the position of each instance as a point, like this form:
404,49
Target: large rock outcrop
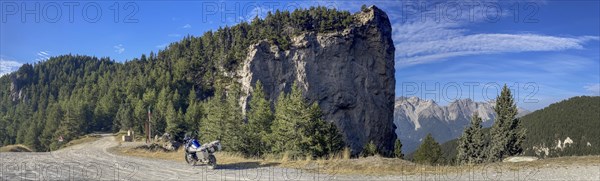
349,73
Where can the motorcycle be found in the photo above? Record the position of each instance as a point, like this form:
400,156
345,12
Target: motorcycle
194,152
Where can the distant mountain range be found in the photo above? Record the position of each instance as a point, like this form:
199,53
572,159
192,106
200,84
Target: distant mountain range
416,117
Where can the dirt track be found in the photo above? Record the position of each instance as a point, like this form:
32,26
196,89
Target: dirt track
92,161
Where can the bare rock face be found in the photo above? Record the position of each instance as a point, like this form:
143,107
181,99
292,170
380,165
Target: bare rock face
350,74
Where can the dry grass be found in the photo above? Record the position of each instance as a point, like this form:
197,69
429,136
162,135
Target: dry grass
15,148
173,155
225,159
374,165
342,164
555,162
389,166
82,139
337,164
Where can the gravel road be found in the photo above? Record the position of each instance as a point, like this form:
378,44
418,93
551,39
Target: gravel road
92,161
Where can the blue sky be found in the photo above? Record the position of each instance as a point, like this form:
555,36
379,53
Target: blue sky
546,51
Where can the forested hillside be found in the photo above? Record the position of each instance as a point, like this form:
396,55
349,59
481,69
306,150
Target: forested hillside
71,95
577,118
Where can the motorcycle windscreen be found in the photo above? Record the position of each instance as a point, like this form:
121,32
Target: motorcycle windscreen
195,144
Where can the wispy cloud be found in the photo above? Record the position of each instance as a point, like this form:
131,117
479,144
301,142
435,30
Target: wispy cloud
43,55
424,51
119,48
593,89
187,26
8,66
174,35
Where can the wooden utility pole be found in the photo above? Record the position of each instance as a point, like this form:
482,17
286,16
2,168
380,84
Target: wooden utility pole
149,131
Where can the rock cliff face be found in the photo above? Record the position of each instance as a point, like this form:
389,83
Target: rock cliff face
349,73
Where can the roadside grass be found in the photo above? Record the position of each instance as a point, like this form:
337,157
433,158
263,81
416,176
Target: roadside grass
133,151
556,162
336,164
15,148
82,139
223,158
342,163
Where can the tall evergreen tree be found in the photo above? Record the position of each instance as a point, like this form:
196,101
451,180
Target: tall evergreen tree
31,137
507,135
398,149
471,145
298,128
429,152
289,116
319,138
193,114
175,125
124,117
212,127
53,119
70,126
333,138
260,118
233,134
140,117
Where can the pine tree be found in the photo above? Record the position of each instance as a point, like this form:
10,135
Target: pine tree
70,126
319,138
174,123
104,113
212,127
260,118
140,117
193,113
429,152
31,137
333,138
398,149
370,149
124,117
299,128
289,116
3,132
233,134
507,135
471,145
53,119
159,106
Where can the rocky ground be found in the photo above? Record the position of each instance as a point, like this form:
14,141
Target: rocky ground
93,161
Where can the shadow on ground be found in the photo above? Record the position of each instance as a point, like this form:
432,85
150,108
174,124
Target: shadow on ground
245,165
